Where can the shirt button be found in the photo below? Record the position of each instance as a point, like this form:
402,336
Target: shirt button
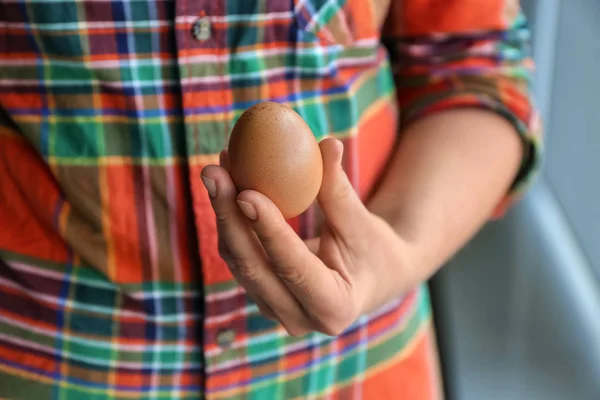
201,29
225,337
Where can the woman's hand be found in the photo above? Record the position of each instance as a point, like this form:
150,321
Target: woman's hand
357,264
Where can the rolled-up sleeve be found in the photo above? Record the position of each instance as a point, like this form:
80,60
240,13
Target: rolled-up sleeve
467,53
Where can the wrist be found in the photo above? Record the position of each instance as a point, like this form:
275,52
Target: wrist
395,265
420,256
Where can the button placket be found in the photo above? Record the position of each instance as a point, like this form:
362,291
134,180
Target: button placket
201,29
225,338
200,40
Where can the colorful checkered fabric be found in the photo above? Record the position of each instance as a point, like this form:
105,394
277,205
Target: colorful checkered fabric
111,285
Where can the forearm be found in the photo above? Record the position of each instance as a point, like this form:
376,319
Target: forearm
449,172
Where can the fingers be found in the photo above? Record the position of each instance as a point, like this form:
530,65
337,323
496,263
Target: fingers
338,199
279,270
224,159
317,288
246,258
313,245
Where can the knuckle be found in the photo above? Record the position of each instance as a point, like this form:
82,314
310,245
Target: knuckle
343,193
296,331
340,193
331,328
222,217
336,323
272,231
224,251
245,269
291,274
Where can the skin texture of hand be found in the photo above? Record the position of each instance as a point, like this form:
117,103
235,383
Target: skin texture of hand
447,175
322,284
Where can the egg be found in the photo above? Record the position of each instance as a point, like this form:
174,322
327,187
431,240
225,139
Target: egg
273,151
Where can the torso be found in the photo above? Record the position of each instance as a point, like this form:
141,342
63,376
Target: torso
110,280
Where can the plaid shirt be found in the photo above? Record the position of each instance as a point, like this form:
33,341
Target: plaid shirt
111,285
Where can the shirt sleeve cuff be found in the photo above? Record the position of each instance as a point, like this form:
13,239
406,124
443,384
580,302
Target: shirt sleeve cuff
509,102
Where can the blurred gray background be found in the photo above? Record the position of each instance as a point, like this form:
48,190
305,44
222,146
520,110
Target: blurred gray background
518,310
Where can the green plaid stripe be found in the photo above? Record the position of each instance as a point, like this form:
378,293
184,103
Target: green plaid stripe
120,297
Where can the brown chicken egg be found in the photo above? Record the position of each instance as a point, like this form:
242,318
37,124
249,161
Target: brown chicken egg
273,151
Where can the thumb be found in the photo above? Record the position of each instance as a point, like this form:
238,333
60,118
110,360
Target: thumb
338,199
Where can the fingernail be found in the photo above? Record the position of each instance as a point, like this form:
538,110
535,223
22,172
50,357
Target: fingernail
211,186
248,209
